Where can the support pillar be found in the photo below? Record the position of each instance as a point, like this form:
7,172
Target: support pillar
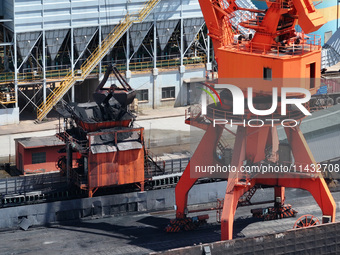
15,69
317,187
86,166
155,70
279,193
128,72
44,67
234,191
68,161
72,62
208,65
203,156
100,45
100,35
182,67
229,209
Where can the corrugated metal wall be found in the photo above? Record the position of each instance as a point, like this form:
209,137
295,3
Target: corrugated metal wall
37,15
57,17
8,12
1,8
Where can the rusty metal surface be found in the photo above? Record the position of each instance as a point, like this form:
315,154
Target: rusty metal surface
116,168
32,142
111,151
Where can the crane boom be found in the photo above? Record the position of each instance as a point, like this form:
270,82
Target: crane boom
272,26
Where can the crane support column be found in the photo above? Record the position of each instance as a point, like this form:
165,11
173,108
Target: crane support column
204,155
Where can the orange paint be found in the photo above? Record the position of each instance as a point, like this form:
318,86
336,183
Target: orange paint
117,167
276,56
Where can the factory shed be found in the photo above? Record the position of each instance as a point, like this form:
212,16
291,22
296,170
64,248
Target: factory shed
38,154
322,133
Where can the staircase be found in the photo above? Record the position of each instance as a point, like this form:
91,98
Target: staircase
97,55
245,198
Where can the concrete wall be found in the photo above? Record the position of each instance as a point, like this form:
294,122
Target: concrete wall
322,239
155,83
40,214
9,116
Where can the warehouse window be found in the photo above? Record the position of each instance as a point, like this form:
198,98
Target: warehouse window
267,74
168,92
38,157
143,95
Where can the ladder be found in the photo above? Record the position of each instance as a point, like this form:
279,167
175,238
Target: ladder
92,61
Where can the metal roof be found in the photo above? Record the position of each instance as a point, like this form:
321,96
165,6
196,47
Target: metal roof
45,141
322,119
322,133
125,146
326,146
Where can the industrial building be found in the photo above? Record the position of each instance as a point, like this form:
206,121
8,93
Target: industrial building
70,32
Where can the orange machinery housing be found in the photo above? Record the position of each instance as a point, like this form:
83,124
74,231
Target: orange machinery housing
114,159
108,152
276,56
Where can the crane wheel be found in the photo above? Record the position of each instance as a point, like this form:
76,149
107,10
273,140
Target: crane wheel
61,163
330,101
337,100
306,221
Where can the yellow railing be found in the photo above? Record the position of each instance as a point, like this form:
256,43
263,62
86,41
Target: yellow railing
6,78
7,97
72,77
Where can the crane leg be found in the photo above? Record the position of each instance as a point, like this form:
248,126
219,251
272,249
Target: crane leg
317,187
279,192
229,209
234,190
182,189
203,156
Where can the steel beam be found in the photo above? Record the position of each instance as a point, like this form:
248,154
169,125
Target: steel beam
15,70
44,67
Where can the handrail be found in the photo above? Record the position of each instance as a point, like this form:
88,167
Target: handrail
311,43
6,78
7,97
91,62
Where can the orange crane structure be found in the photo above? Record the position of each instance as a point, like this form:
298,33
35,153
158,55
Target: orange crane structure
275,56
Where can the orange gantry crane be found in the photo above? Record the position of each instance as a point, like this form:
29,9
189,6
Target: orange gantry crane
276,56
